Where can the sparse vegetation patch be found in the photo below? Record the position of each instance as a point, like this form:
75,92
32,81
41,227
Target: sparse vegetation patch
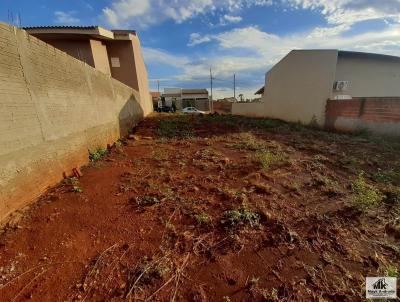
268,159
366,195
203,219
75,184
391,176
247,141
97,154
146,201
240,217
179,126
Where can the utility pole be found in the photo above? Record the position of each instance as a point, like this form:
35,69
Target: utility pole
158,85
211,101
234,86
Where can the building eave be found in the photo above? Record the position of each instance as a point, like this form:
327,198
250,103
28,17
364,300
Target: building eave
260,91
96,32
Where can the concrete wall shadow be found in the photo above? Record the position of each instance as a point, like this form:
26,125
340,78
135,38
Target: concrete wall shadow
129,116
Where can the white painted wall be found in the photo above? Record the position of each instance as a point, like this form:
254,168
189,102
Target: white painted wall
298,87
369,75
194,96
172,90
248,109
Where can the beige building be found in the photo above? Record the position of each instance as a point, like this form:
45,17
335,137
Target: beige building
183,98
297,87
196,98
156,97
172,95
113,52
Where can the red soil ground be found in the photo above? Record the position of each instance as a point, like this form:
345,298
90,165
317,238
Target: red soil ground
212,209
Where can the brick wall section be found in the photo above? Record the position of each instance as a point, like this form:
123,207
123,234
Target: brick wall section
381,115
382,110
344,108
53,108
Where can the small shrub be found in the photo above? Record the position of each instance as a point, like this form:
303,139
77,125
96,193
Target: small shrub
267,159
350,163
161,270
119,143
391,271
254,281
97,155
75,184
329,186
366,195
247,141
391,176
146,200
313,124
148,271
392,197
77,189
236,218
252,285
203,219
271,296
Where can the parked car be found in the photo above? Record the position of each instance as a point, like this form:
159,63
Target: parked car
192,110
165,109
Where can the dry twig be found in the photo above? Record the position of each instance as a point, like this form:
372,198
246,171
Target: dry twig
178,276
33,269
27,285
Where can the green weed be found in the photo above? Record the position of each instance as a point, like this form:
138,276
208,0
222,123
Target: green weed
203,219
247,141
240,217
254,281
177,127
392,196
146,201
272,295
391,176
97,155
351,163
75,184
149,270
366,195
77,189
267,159
119,143
391,271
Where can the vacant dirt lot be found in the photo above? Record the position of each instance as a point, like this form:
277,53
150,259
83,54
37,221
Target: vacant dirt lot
212,209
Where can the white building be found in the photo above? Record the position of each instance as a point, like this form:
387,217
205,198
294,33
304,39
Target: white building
182,98
298,87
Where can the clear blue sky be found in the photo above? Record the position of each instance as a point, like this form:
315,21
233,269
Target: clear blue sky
182,39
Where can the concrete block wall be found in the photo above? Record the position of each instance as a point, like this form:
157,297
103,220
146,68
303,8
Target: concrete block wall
249,109
53,108
223,107
378,115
